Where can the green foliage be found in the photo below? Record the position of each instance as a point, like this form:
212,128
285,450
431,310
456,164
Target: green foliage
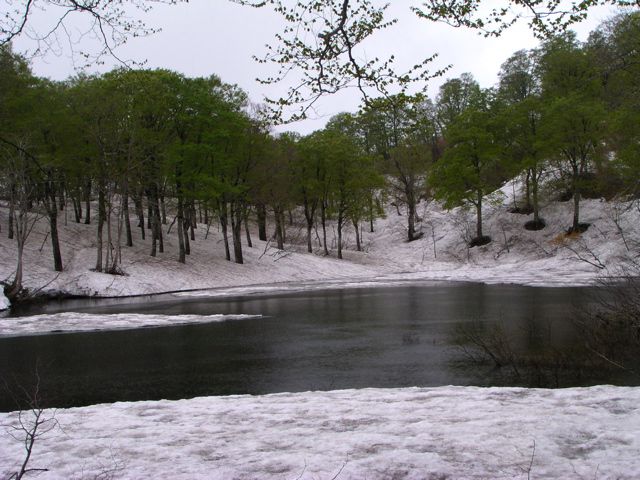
471,166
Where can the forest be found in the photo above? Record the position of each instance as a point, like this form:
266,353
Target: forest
155,150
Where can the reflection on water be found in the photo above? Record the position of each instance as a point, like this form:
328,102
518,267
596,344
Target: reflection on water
334,339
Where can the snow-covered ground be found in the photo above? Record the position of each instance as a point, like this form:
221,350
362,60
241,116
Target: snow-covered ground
514,256
413,433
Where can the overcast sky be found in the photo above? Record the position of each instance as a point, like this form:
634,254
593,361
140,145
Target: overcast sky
203,37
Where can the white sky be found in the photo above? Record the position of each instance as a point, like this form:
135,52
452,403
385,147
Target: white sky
203,37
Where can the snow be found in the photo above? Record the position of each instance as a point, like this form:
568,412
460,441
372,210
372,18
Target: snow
515,255
84,322
413,433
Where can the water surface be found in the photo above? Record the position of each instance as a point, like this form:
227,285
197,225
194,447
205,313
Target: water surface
322,340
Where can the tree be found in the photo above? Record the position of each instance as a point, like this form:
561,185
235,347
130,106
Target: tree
454,96
470,167
520,125
16,108
309,170
105,150
614,51
203,123
574,113
18,171
22,172
350,173
401,131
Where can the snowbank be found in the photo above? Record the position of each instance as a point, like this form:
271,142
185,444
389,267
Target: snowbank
414,433
83,322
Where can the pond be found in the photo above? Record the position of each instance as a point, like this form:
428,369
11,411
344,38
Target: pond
399,336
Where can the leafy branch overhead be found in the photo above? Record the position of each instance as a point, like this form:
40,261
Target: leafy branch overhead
544,17
323,45
320,51
88,30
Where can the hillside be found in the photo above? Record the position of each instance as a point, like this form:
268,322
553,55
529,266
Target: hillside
515,255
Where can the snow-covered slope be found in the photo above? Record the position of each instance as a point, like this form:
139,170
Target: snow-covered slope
515,255
413,433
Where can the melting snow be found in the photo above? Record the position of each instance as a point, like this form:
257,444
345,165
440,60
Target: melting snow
413,433
84,322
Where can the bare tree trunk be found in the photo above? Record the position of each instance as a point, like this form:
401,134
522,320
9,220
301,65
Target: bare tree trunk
180,220
283,228
61,196
87,199
12,209
245,219
50,201
262,221
153,219
185,234
149,212
371,213
21,199
479,215
309,230
55,242
340,222
157,222
236,230
576,197
22,233
309,214
101,219
16,285
163,209
411,218
127,219
323,220
118,255
576,211
192,220
109,263
528,189
77,208
534,192
277,211
356,227
137,200
222,207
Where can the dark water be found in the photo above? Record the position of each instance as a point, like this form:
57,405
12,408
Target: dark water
333,339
